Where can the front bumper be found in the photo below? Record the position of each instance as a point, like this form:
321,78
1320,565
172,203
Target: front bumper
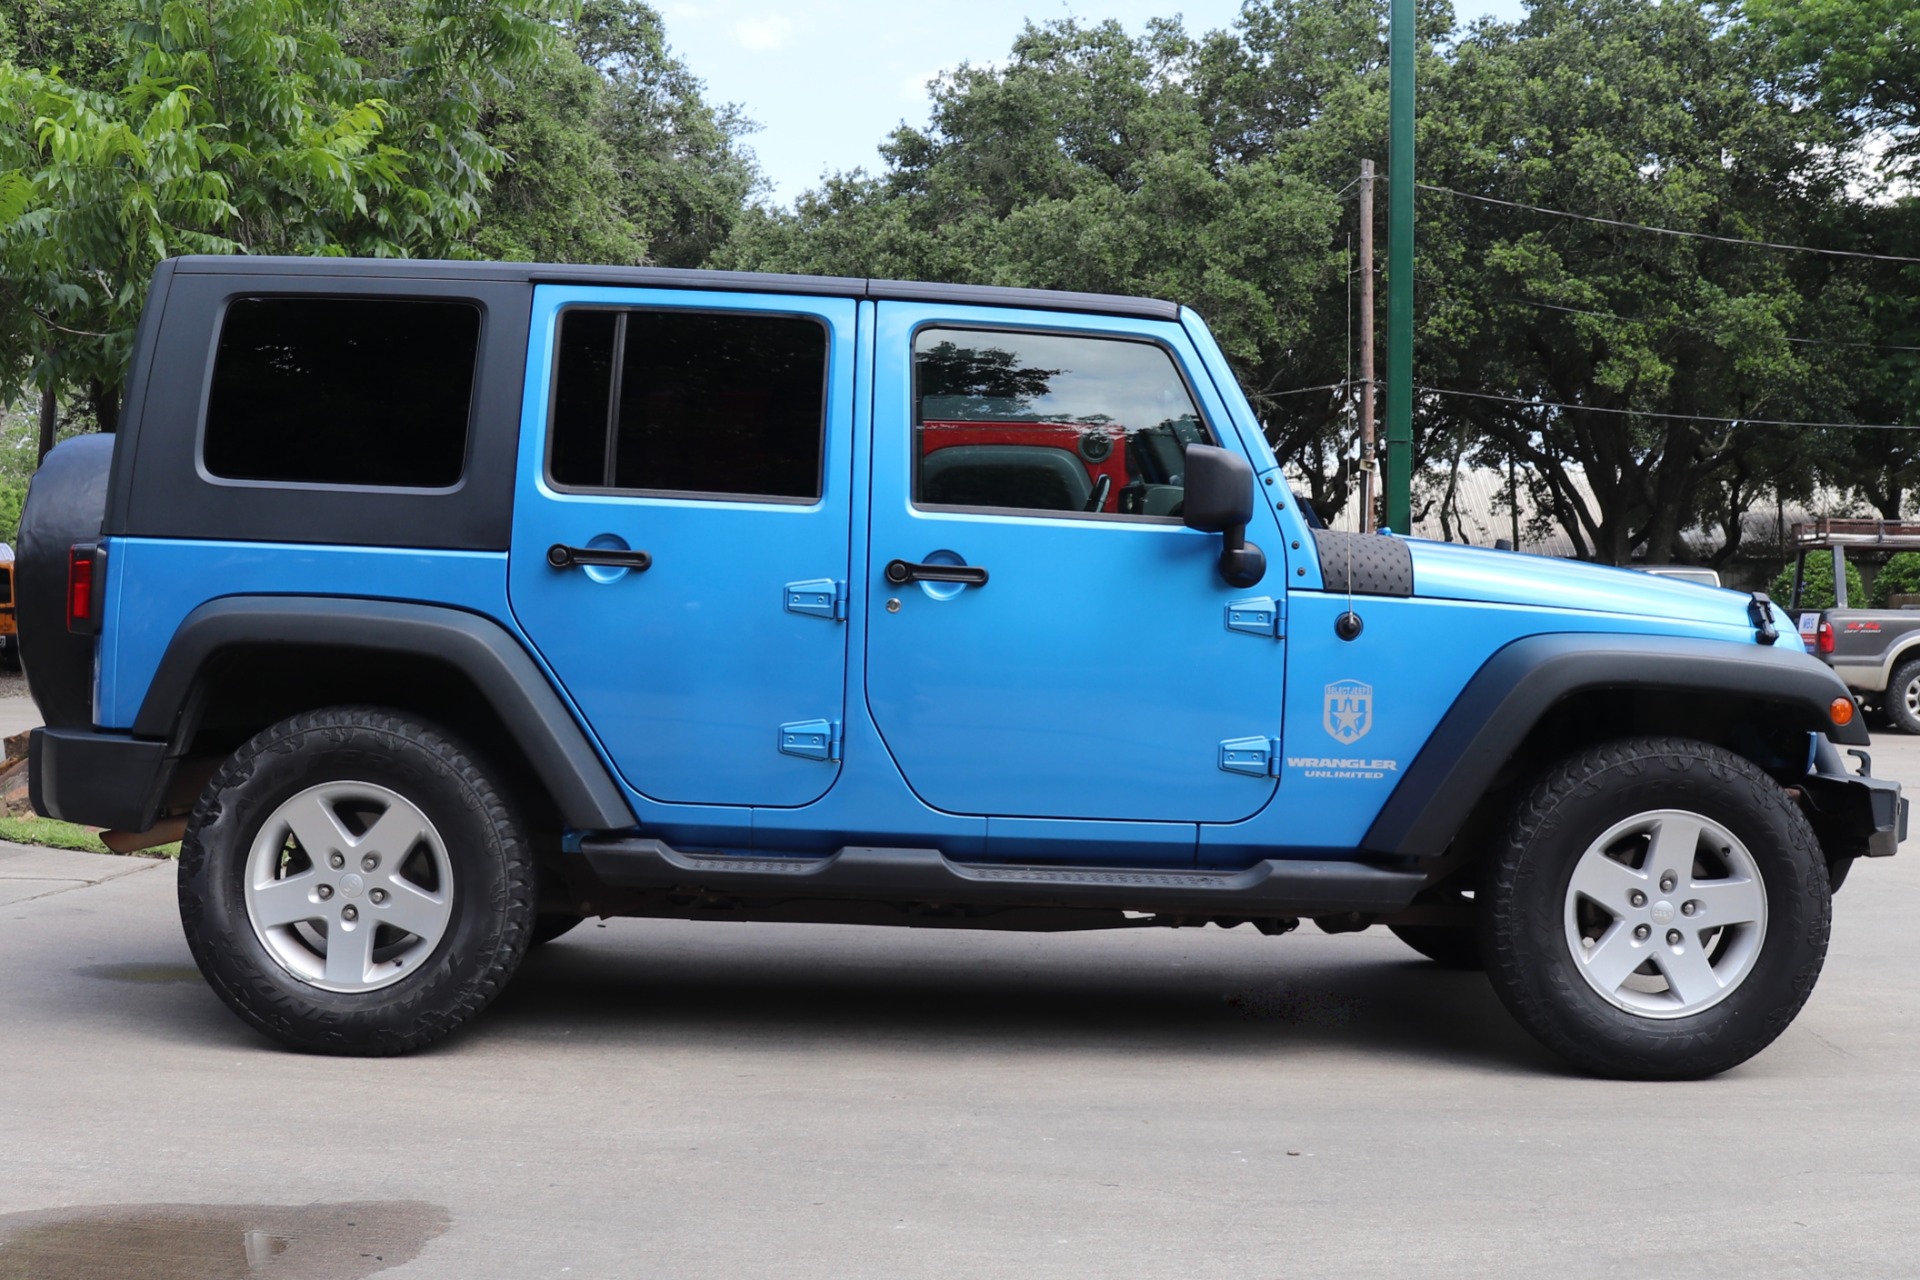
1855,815
97,779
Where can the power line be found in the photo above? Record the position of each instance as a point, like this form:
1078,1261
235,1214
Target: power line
1650,413
1300,391
1668,231
1691,328
1626,413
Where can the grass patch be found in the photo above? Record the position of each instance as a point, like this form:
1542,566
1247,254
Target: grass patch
51,833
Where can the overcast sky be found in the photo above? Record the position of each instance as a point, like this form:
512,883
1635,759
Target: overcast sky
828,79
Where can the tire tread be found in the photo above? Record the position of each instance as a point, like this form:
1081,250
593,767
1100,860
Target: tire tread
1557,1008
412,1013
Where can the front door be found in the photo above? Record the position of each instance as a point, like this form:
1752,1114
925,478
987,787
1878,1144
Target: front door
680,532
1093,674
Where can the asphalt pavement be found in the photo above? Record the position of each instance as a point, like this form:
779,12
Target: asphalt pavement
665,1099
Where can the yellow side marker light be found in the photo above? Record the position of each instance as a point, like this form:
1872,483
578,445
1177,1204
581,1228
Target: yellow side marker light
1841,712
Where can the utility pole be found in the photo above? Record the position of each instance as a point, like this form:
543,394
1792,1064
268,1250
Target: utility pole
1513,494
1367,464
1399,478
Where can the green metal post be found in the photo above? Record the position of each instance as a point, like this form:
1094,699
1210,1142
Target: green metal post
1398,481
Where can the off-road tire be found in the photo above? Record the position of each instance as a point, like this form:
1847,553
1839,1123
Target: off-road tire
1893,703
492,905
1450,947
1523,930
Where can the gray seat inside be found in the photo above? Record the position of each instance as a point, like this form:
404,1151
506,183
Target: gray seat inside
1026,476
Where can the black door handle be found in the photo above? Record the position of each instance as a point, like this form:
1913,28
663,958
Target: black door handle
562,556
901,572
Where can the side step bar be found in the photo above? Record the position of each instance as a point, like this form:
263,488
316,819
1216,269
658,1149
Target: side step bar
1276,887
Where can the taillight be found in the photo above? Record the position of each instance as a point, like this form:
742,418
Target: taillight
1823,637
81,617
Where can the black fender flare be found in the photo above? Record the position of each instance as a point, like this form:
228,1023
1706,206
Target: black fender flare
1908,646
478,647
1523,681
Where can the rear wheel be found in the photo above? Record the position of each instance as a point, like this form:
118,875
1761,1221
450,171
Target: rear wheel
1901,702
353,881
1659,910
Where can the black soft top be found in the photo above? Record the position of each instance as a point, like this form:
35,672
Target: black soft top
675,278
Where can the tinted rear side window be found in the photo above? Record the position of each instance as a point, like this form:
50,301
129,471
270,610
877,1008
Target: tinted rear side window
347,391
689,402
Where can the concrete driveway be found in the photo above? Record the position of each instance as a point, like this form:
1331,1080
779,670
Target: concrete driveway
17,712
669,1099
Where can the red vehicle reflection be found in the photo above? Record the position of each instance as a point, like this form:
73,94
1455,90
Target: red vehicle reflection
1052,466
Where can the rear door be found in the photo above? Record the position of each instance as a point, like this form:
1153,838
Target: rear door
680,532
1097,674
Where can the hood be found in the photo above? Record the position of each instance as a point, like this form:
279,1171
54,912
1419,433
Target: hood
1449,571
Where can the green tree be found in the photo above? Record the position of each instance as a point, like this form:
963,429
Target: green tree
1203,170
1816,589
240,125
610,152
1900,575
1859,58
19,457
557,197
1858,63
684,173
81,39
1650,115
1218,171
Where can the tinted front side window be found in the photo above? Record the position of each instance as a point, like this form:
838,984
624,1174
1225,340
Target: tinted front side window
350,391
1049,422
689,402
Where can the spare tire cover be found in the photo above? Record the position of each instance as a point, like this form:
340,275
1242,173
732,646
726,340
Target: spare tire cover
65,504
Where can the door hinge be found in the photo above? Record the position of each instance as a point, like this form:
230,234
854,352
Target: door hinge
1258,616
811,739
816,597
1255,757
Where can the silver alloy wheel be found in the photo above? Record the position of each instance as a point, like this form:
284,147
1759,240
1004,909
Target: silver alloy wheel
1665,913
1911,696
348,886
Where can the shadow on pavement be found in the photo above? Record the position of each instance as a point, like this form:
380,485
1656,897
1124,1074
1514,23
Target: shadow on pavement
827,988
1099,1002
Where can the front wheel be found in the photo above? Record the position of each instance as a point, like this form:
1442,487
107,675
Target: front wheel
353,881
1659,910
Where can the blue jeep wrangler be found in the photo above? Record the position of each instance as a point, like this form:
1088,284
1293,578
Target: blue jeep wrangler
442,605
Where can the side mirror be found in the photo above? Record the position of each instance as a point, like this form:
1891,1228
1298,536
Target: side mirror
1219,499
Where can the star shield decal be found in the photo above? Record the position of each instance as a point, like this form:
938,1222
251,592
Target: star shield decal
1349,710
